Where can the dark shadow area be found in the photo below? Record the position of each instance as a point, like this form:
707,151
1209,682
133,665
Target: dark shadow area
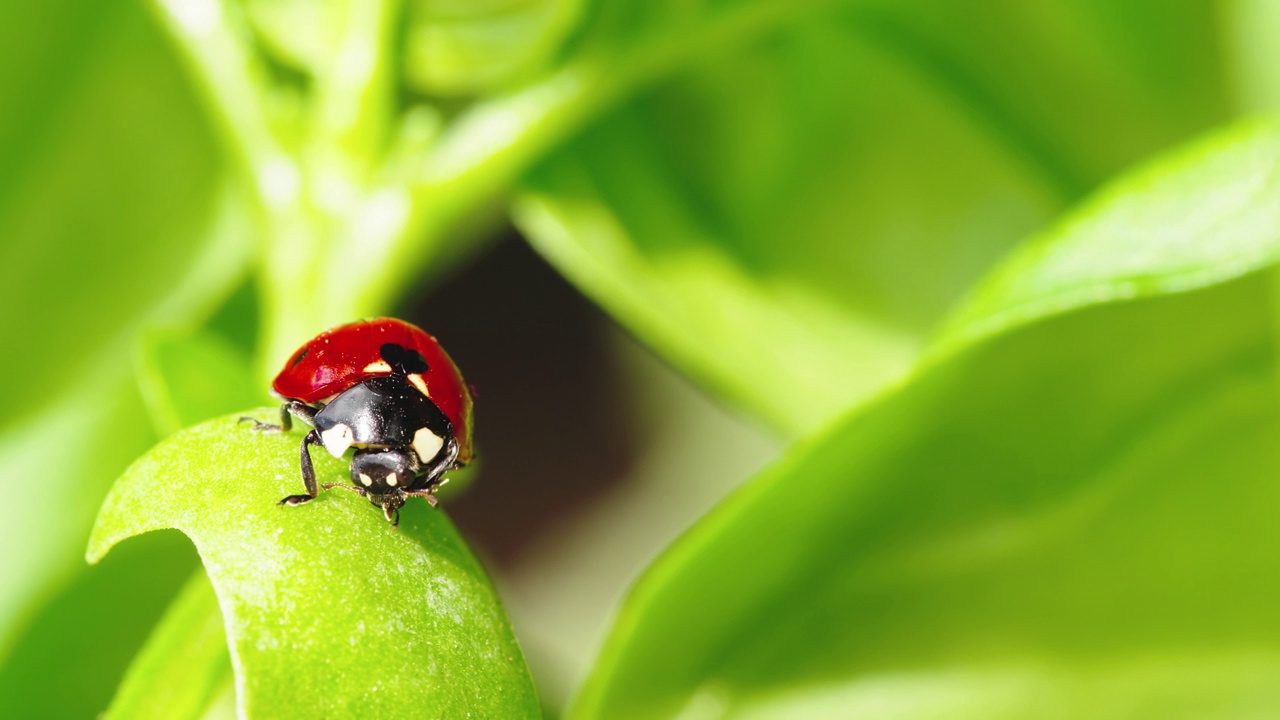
552,429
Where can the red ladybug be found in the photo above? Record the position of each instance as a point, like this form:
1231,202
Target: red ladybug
388,389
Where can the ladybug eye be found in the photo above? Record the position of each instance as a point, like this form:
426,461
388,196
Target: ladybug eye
298,358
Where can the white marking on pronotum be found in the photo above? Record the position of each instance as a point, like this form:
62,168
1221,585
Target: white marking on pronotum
392,479
365,480
380,366
337,439
426,444
419,383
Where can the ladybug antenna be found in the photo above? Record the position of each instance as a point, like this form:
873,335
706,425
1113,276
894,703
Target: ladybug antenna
402,360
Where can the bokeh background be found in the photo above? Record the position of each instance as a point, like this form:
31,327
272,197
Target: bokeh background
670,243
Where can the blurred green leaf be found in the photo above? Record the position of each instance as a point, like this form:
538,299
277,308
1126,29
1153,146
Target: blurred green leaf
329,610
91,629
51,605
789,215
189,377
1199,216
449,47
184,665
464,46
69,446
304,34
1079,88
1072,518
114,218
98,226
1249,29
94,423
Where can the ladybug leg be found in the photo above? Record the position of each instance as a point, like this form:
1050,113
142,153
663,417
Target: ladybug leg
289,410
298,409
357,490
308,472
428,493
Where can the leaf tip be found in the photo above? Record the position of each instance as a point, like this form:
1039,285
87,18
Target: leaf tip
106,533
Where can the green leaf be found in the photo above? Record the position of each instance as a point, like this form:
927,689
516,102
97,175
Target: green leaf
41,537
114,218
1197,217
329,610
91,629
189,377
1072,516
1097,85
94,422
184,665
1247,29
463,47
303,34
788,215
447,47
102,245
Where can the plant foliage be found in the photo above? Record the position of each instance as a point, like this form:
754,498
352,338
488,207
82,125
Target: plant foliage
1001,275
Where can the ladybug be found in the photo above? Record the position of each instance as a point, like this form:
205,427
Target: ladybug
387,389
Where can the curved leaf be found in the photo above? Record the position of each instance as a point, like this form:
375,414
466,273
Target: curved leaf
1198,217
821,193
329,611
1072,516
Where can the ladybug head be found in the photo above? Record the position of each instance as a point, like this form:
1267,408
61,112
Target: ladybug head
383,474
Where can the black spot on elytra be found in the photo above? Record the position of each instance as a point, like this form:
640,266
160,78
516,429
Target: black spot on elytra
298,358
402,360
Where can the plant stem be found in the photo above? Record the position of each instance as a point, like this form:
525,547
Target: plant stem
484,152
210,37
354,94
344,229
